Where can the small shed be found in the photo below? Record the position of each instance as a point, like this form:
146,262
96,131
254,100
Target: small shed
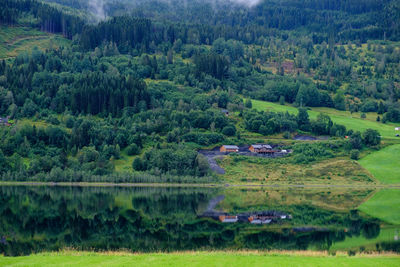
225,112
261,148
229,148
228,219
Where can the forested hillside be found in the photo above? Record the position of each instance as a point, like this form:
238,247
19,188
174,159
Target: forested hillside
134,95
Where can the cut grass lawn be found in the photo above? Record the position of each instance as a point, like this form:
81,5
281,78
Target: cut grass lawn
355,242
351,121
198,259
384,205
384,164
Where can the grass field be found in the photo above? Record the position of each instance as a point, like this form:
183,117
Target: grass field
384,205
355,242
336,171
384,164
351,121
199,259
14,40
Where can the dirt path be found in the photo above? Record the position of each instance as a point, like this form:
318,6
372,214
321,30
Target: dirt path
16,40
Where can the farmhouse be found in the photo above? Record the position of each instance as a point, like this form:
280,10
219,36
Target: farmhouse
261,149
229,148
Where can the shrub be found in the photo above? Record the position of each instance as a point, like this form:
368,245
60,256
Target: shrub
248,104
132,150
229,130
305,153
371,137
354,154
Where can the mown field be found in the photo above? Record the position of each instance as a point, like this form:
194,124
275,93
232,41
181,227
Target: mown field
355,242
384,205
351,121
199,259
384,164
14,40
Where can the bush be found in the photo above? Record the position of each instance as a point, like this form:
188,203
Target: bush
137,164
132,150
305,153
229,130
371,137
248,104
354,154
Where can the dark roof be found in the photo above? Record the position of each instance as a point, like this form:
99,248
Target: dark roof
3,120
260,146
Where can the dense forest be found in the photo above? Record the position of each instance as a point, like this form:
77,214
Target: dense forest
150,84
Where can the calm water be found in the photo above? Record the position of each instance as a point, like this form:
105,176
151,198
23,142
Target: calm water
34,219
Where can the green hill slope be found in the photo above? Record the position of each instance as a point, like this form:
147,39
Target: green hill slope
351,121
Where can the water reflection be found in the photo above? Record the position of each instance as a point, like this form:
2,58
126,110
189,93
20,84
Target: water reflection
34,219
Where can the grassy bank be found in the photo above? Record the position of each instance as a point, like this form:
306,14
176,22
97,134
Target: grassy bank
351,121
200,259
335,171
384,164
384,205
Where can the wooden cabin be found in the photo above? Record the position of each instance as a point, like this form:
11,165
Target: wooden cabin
229,148
261,149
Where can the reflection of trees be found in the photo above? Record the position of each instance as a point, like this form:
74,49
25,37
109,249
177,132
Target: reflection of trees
147,219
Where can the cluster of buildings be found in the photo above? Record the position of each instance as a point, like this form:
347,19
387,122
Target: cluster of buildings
257,148
258,218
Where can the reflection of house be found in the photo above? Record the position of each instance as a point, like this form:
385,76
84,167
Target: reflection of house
260,219
228,219
261,149
229,148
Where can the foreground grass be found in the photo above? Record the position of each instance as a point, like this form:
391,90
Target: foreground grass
199,259
384,205
384,164
351,121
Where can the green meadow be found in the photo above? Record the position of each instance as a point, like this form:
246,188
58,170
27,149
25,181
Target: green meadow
384,164
384,205
355,242
198,259
351,121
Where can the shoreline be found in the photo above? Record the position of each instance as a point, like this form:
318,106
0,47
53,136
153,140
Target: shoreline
109,184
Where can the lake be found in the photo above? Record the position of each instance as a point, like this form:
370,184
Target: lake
144,219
